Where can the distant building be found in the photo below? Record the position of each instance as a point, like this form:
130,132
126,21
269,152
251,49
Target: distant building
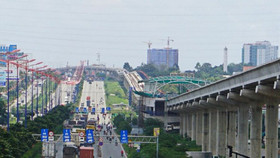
225,59
259,53
4,48
162,57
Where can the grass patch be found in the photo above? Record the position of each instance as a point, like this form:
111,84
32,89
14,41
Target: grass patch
114,93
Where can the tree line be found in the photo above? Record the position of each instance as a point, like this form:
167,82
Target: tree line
19,139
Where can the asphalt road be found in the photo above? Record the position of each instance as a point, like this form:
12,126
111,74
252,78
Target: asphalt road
96,92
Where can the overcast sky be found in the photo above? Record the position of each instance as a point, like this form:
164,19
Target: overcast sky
57,31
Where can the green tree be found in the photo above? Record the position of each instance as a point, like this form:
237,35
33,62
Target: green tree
127,66
3,113
150,124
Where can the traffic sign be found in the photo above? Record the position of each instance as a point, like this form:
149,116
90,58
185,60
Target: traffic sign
44,135
100,141
156,132
77,110
81,134
66,135
124,136
51,133
89,134
2,84
51,136
108,108
103,110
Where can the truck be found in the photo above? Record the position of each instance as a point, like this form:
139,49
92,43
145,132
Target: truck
70,150
86,152
88,103
92,127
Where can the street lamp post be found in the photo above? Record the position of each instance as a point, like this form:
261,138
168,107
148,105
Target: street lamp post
8,88
17,86
25,112
32,97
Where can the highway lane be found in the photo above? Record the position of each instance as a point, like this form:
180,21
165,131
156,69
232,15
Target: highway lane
96,92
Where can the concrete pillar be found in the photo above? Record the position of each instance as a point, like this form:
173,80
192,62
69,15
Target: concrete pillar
256,132
181,124
199,128
271,140
189,132
205,132
242,146
213,131
187,124
231,130
221,133
184,124
193,126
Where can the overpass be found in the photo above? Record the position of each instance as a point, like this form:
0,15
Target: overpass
217,115
100,68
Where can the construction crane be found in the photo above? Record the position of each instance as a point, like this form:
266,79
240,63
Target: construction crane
167,54
149,44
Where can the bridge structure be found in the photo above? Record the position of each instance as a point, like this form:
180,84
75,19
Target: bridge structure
97,68
217,115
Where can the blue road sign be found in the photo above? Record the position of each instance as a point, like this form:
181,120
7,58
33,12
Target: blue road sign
44,135
100,143
108,108
103,110
89,136
66,135
77,110
124,136
85,110
2,84
93,110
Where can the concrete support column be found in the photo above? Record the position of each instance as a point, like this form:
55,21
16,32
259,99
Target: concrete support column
221,133
271,121
189,132
231,133
243,129
181,124
193,126
187,124
213,131
205,132
199,128
184,124
256,132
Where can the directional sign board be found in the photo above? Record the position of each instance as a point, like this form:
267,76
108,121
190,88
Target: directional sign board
85,110
77,110
124,136
103,110
66,135
89,135
44,135
108,108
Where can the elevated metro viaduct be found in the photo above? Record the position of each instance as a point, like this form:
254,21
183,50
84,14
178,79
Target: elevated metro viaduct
217,114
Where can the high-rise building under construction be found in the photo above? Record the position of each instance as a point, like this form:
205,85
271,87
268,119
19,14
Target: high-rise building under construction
163,57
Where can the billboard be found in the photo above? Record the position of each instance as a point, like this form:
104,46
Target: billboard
2,77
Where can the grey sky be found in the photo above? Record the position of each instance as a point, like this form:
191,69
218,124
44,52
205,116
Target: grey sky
57,31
